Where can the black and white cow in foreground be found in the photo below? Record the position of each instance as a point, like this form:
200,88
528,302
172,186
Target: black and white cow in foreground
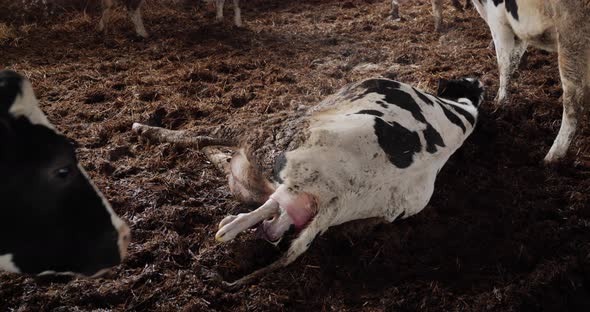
52,218
373,150
134,9
562,26
437,7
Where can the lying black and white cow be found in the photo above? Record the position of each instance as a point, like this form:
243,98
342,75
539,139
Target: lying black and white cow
437,7
52,218
373,150
562,26
134,9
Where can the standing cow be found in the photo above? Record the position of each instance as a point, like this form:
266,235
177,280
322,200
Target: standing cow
52,218
562,26
373,150
437,6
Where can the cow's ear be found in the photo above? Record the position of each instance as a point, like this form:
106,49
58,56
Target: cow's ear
442,86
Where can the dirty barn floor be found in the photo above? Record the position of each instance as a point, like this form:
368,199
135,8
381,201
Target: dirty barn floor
501,233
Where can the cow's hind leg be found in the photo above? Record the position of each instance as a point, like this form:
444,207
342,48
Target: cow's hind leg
574,69
297,248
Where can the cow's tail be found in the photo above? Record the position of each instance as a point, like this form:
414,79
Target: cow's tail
179,137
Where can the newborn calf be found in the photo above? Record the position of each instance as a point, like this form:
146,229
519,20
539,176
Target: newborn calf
372,150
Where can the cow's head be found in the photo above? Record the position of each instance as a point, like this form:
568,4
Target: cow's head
467,88
52,218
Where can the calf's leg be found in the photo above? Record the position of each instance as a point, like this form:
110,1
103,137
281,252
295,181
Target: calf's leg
231,226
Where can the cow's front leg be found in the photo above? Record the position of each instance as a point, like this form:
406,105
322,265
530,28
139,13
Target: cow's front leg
395,10
135,15
437,13
219,5
237,13
509,50
107,6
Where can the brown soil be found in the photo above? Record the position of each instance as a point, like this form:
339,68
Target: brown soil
501,233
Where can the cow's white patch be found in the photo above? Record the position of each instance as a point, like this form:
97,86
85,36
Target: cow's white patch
118,224
26,105
6,264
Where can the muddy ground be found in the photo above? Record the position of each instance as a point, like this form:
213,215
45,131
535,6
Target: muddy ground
501,233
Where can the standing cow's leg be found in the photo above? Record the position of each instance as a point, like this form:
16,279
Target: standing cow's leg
394,10
237,13
135,15
509,50
437,13
219,4
107,6
574,69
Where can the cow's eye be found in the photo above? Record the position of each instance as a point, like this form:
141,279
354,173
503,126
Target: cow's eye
63,173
